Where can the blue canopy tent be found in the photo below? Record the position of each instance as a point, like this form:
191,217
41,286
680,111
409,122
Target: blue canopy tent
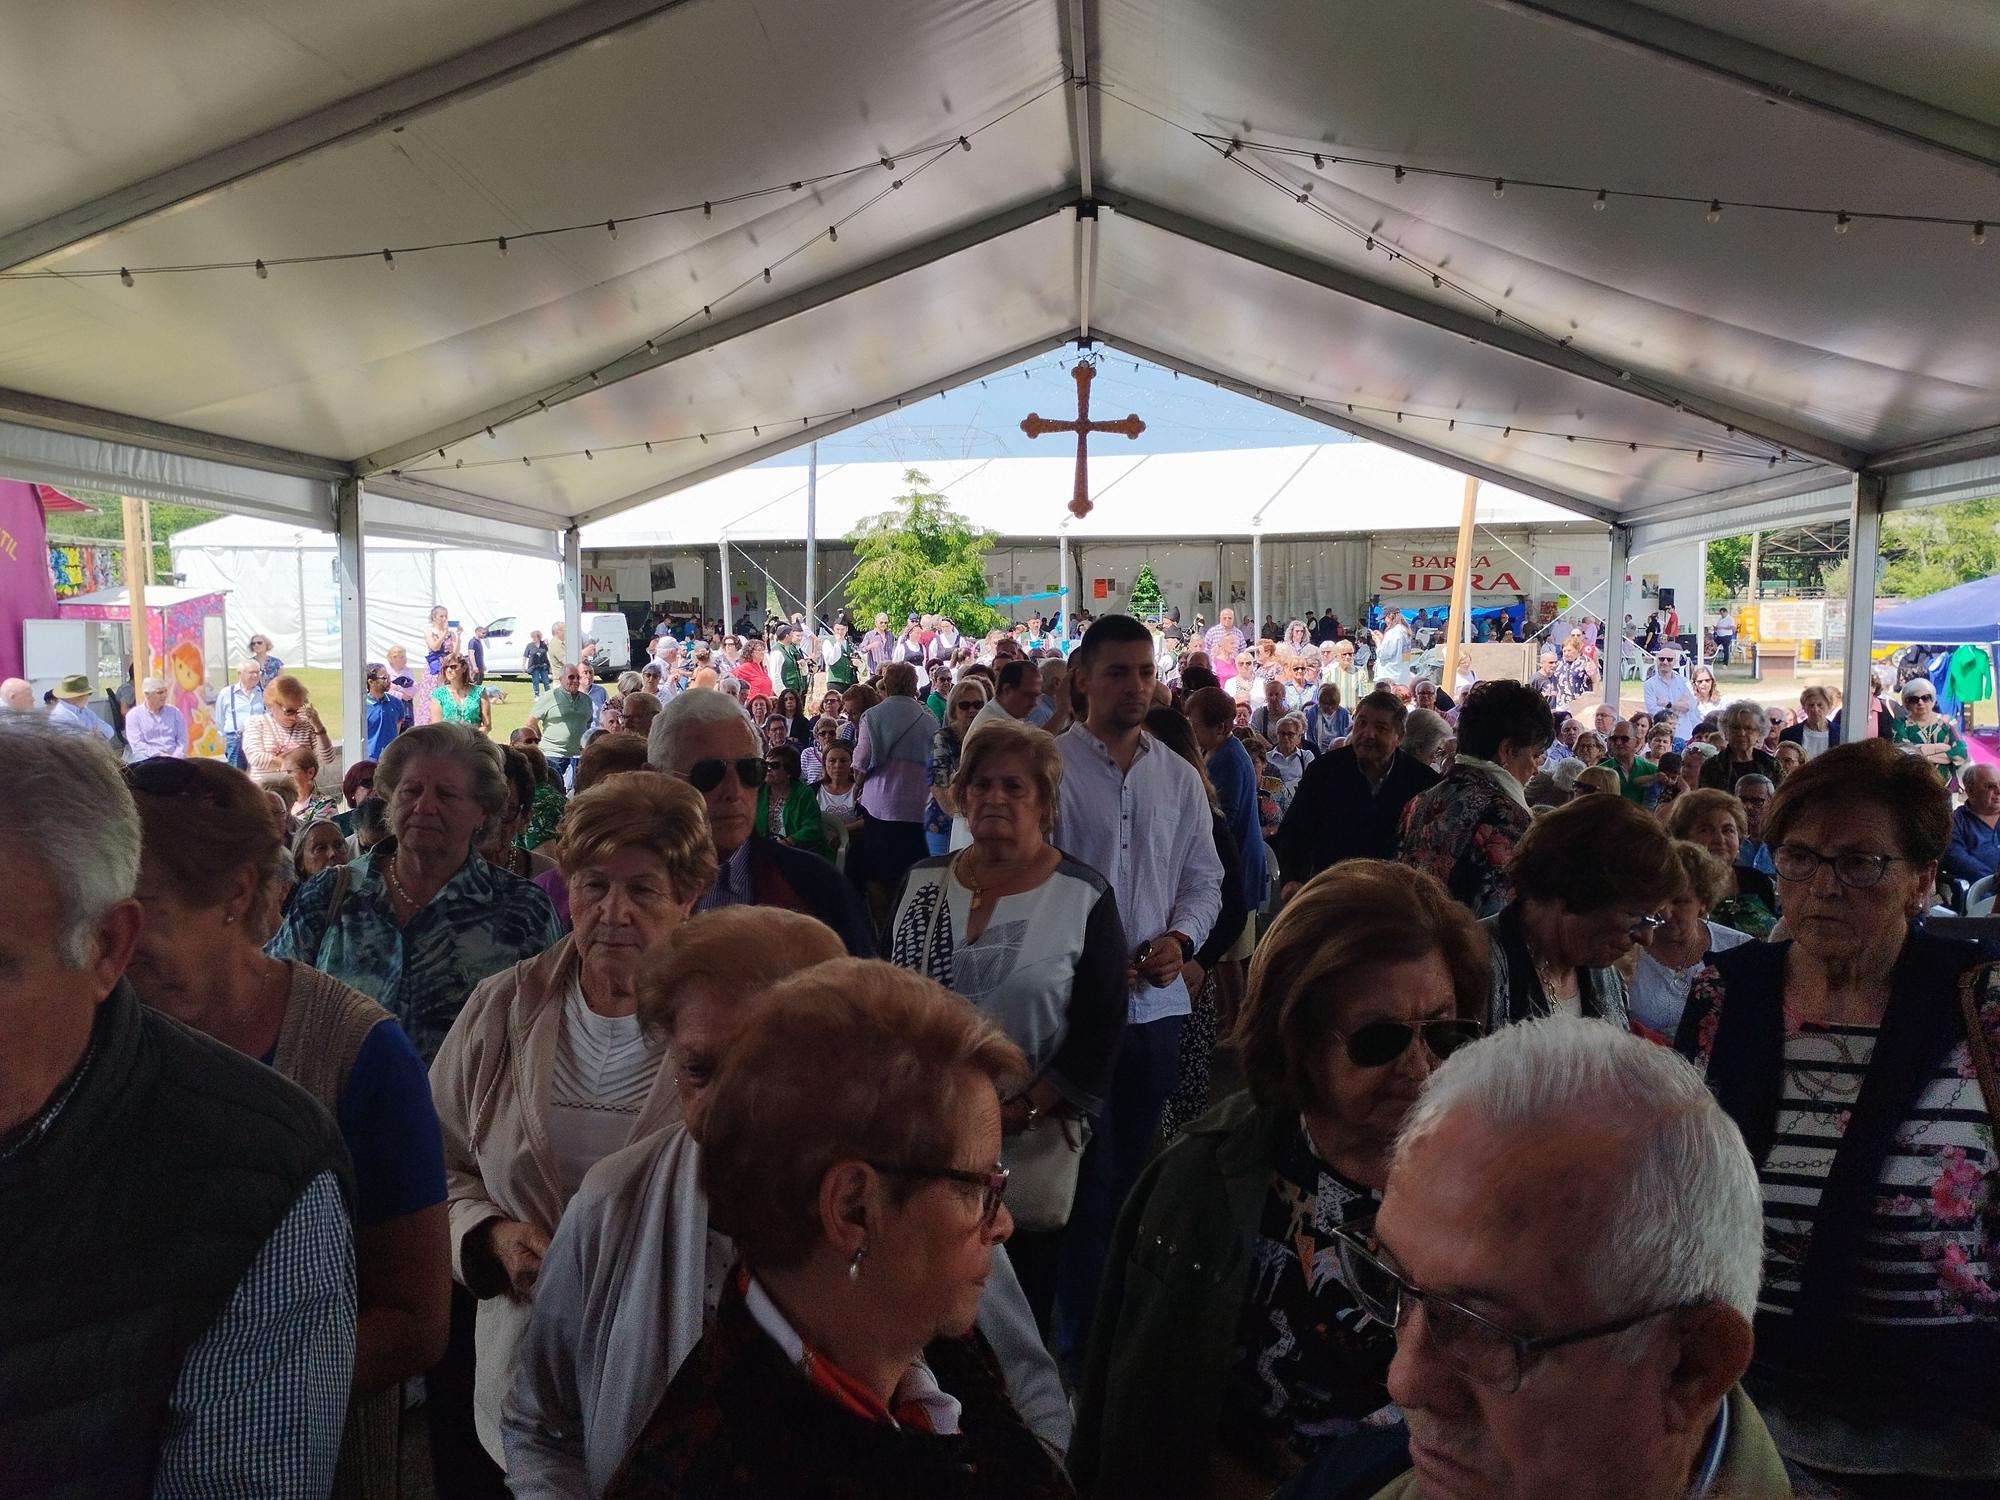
1968,615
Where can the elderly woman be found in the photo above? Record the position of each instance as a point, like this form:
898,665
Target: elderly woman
1790,754
1718,822
548,1069
208,883
320,846
812,756
788,809
1591,879
1856,1059
1289,757
289,721
1928,734
1813,733
1744,725
457,699
1032,938
1427,737
1227,1353
892,758
1576,677
1657,975
632,1278
422,919
844,1357
1463,830
1327,723
308,802
961,706
501,844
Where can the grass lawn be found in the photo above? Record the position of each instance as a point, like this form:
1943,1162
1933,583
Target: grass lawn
324,686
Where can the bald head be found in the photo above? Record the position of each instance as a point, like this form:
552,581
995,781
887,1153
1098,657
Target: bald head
16,696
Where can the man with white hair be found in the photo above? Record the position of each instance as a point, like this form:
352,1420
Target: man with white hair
707,741
179,1311
239,703
1583,1231
1581,1227
155,728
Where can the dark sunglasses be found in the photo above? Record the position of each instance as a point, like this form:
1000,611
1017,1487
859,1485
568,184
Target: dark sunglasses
706,775
1380,1043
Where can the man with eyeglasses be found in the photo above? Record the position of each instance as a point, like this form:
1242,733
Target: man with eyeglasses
1668,691
1569,1249
564,713
1755,793
707,741
1635,773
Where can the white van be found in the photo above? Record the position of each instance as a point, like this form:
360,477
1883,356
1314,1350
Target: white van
507,638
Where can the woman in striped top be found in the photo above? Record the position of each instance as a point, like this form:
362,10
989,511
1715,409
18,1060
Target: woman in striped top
1856,1060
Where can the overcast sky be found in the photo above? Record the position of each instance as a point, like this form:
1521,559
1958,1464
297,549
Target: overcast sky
983,420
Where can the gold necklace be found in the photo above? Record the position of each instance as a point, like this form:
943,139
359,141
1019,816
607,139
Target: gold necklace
396,885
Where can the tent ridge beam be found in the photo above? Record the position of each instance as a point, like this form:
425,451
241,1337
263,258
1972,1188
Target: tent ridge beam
1770,75
1774,487
1506,338
367,113
1982,442
798,439
55,415
1367,431
722,330
1076,58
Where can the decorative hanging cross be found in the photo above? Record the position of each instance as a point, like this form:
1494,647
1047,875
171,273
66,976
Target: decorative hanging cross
1036,426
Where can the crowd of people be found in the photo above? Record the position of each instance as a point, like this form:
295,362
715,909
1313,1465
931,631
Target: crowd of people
1106,1060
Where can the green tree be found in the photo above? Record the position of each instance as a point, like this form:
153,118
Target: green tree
1728,568
1145,597
922,557
106,522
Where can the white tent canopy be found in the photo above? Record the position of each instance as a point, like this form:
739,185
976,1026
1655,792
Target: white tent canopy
1642,365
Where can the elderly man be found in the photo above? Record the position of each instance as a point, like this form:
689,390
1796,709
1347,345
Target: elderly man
1569,1248
17,696
707,741
1019,695
1545,680
1222,640
155,729
72,710
1666,689
1349,803
1974,850
179,1310
1636,774
1755,793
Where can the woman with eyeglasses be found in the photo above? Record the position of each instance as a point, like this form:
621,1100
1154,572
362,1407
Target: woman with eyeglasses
812,758
1590,879
947,745
1228,1354
549,1069
846,1356
457,699
1928,734
1857,1059
788,809
1657,974
288,722
1707,696
1718,822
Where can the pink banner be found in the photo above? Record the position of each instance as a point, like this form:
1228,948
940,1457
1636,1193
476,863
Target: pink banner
26,592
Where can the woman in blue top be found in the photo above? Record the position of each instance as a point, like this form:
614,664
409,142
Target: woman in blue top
208,882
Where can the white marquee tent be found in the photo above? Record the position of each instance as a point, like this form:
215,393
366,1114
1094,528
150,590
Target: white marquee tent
1785,310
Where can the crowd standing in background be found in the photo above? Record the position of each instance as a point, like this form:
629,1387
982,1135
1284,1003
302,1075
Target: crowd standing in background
1299,1075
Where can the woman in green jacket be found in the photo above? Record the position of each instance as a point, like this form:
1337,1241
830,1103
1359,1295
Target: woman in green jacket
788,809
1227,1353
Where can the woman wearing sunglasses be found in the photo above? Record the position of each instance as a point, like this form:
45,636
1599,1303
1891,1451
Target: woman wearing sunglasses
844,1356
1928,734
1228,1353
1857,1060
1591,880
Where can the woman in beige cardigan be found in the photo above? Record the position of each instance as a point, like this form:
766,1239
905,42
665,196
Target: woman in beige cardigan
548,1068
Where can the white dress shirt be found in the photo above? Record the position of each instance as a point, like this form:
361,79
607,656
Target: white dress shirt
1672,691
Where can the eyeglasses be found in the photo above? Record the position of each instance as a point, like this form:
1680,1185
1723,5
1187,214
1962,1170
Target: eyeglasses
1380,1043
706,775
1645,921
1799,863
1621,739
1474,1345
992,1185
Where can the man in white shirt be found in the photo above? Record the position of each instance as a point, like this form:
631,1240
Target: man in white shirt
1137,814
236,705
1667,691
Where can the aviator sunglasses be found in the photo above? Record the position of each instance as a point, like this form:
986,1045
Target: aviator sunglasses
706,775
1380,1043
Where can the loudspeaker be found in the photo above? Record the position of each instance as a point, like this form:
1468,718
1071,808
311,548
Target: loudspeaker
1666,598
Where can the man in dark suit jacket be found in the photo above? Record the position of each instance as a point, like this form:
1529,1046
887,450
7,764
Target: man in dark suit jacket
1350,801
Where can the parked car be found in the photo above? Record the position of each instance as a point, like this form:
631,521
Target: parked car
507,637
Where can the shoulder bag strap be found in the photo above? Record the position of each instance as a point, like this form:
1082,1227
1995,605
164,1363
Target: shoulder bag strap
1977,1043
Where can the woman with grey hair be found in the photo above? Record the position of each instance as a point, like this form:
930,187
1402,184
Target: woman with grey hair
1425,734
1744,726
418,921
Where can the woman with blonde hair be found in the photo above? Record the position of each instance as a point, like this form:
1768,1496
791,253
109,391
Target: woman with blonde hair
633,1276
289,722
1716,821
548,1069
1657,976
845,1356
440,641
1225,1356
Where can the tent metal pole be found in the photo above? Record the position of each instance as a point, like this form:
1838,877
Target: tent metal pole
1064,598
1611,661
812,538
305,629
351,592
1864,545
728,593
1256,585
572,594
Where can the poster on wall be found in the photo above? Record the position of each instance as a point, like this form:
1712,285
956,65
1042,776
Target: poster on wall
1204,592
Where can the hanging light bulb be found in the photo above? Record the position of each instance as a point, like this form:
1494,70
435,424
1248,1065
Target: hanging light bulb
833,234
964,144
708,210
1598,202
611,228
1979,233
1840,222
649,447
389,259
502,243
651,347
889,163
263,271
1400,174
1499,187
1714,210
1697,455
126,276
589,455
489,432
767,273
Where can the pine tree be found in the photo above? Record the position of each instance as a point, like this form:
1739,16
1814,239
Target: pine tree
1145,598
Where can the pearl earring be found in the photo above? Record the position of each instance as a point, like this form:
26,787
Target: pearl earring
854,1266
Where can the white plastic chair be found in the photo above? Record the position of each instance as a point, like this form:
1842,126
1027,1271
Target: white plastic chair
1979,900
834,829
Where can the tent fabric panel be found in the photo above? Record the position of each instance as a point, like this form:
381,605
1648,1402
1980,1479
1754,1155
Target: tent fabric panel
411,520
1966,615
1943,484
49,457
1796,510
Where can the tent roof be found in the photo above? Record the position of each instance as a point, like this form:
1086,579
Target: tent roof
1641,364
1966,615
1328,489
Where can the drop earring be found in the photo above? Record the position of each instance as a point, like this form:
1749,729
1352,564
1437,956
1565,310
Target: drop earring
854,1266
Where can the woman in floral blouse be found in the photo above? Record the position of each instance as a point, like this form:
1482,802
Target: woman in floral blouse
1856,1060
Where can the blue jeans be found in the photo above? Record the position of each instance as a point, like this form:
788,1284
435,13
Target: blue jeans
1148,1062
232,751
538,681
564,767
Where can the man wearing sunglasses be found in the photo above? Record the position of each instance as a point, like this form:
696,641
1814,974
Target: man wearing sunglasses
1569,1249
707,741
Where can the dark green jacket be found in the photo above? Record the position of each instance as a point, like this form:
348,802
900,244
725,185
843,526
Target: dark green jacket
1172,1308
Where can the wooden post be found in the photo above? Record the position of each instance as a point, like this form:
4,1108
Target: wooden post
1461,589
146,532
135,594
